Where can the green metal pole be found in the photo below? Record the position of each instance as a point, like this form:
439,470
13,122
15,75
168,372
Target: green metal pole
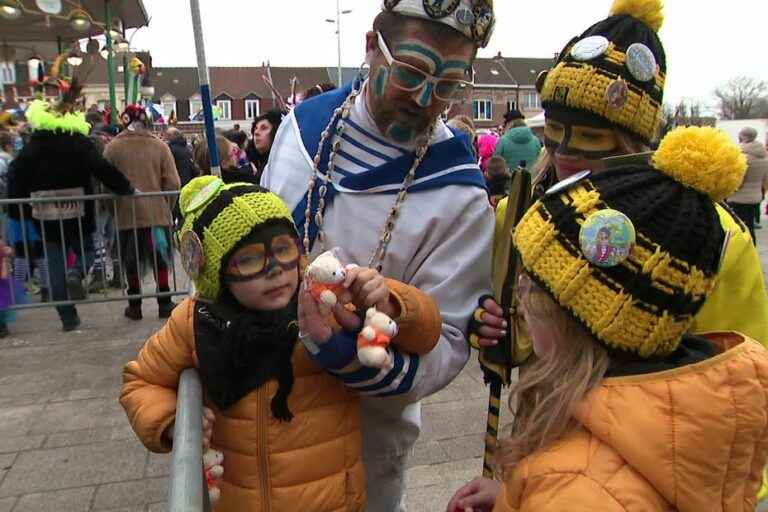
126,75
110,67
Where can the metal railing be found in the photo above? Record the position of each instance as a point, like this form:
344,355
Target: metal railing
43,230
188,491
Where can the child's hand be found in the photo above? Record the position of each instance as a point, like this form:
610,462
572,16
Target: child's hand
487,325
369,288
208,420
479,495
311,318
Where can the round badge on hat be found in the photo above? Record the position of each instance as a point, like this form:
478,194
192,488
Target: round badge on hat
567,183
606,238
440,8
205,194
484,22
590,48
617,94
641,62
192,254
465,17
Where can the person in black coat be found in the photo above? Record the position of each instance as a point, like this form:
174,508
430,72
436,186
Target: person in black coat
182,156
60,160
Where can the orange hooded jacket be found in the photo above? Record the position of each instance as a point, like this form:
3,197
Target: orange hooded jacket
691,439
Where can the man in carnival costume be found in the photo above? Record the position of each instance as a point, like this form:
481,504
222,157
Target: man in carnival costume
372,169
60,160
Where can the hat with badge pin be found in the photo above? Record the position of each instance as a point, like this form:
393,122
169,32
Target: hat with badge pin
473,18
218,217
633,252
614,73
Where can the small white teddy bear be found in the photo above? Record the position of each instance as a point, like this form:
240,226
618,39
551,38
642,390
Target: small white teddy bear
213,469
325,277
373,340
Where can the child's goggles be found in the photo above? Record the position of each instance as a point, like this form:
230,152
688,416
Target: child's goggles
256,260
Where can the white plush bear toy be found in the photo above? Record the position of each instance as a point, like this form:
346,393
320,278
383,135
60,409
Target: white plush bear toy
373,340
324,277
213,469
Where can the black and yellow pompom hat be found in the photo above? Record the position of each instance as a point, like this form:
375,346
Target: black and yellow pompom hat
632,253
217,217
612,75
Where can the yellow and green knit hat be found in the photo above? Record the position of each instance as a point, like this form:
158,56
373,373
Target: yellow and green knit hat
632,253
217,217
613,74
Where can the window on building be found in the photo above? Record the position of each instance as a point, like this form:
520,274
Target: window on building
195,107
530,100
169,106
226,109
511,104
7,73
483,110
251,109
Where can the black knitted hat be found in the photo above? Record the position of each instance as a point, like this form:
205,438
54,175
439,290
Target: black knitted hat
613,74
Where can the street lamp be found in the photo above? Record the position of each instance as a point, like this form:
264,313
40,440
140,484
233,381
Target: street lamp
337,21
10,9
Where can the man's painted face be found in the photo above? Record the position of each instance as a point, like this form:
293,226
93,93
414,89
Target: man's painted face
404,115
578,147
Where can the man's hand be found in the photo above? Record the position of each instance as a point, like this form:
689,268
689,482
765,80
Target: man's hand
368,288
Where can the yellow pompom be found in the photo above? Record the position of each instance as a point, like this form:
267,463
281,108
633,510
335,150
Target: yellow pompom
705,159
650,12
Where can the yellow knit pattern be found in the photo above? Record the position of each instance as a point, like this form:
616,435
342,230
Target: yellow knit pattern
230,226
609,311
582,86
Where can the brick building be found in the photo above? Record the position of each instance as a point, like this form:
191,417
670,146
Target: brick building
241,94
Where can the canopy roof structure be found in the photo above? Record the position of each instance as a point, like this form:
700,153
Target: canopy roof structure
38,32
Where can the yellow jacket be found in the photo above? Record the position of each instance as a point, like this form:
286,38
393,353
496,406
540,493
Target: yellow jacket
312,463
690,439
738,303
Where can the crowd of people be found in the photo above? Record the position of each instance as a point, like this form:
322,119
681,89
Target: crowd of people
635,308
56,150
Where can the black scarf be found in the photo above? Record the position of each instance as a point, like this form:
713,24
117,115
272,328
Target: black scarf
256,158
240,351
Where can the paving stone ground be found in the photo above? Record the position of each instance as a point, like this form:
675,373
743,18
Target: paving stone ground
65,445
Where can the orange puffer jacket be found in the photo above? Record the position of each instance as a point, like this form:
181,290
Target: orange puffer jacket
691,439
312,463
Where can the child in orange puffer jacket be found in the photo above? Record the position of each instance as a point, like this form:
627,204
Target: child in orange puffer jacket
288,429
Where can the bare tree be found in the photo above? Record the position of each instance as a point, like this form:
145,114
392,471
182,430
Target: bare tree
739,97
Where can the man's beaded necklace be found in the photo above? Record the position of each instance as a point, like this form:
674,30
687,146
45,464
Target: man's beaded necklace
338,118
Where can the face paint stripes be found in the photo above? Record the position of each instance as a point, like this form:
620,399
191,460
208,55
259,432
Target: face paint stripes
400,133
431,57
380,84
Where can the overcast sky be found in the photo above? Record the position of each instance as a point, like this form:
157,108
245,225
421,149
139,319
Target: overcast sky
706,43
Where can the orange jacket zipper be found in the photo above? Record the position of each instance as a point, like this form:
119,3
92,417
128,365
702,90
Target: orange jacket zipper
263,426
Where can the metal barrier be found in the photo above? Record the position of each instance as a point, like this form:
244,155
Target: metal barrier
188,492
49,229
